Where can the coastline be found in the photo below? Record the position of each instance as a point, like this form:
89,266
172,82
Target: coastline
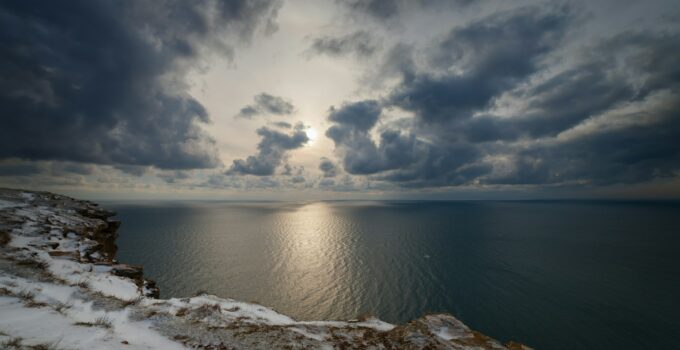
61,287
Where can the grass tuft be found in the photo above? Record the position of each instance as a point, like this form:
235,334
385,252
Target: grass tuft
35,304
44,346
38,264
29,299
61,307
5,237
13,343
83,284
134,301
26,295
182,312
102,321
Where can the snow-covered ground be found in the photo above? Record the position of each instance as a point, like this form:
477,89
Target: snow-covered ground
61,288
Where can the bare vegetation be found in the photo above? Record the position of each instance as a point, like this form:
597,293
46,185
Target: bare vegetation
61,307
83,284
38,264
101,321
134,301
26,295
13,343
5,237
45,346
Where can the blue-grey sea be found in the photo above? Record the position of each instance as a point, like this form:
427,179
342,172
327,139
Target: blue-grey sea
550,274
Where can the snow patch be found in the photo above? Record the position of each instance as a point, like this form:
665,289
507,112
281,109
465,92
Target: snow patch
7,204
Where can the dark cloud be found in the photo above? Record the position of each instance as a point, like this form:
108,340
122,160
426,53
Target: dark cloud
132,169
360,116
282,125
621,70
555,105
174,176
272,151
103,82
492,55
351,134
326,182
388,9
328,168
636,151
298,179
380,9
398,61
341,184
289,170
248,112
65,168
13,167
609,116
221,181
629,82
360,43
267,104
18,167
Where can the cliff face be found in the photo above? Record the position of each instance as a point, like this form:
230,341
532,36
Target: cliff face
61,288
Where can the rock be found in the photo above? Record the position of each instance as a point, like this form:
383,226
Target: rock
134,272
58,253
150,289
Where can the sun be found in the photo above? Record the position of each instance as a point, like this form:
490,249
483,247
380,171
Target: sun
311,134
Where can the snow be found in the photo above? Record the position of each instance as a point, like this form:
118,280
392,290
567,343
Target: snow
20,241
27,196
97,278
318,337
42,326
46,326
444,333
377,324
43,292
7,204
242,309
113,286
373,323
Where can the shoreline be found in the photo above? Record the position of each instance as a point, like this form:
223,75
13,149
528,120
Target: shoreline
58,271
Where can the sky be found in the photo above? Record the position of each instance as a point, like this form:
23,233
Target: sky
341,99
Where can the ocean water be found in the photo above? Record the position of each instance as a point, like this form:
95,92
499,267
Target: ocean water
551,274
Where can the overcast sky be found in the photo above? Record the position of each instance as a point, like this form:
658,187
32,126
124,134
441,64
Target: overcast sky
302,99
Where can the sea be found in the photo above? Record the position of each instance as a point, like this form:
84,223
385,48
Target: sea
549,274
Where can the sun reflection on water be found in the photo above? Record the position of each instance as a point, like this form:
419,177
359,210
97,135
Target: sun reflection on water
314,256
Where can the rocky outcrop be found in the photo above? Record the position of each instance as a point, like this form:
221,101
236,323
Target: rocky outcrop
58,272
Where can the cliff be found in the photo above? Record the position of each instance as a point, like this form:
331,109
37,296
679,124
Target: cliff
62,288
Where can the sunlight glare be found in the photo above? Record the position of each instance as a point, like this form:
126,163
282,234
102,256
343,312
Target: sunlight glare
311,134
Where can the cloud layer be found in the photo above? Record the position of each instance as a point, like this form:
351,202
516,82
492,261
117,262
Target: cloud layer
272,151
488,109
437,96
104,82
265,103
361,43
